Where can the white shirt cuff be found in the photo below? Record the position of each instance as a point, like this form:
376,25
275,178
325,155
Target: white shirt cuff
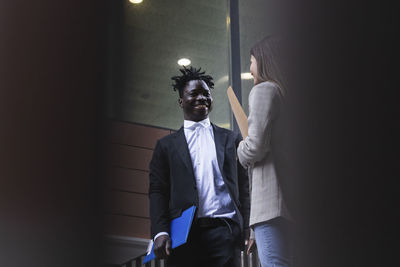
160,233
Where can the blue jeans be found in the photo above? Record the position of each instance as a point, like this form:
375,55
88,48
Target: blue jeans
273,244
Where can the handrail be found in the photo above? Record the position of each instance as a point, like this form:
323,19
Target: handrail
250,260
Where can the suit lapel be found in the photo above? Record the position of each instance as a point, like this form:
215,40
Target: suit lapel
220,139
183,150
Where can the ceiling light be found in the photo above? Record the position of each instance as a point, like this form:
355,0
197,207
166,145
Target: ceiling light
228,21
246,76
183,62
135,1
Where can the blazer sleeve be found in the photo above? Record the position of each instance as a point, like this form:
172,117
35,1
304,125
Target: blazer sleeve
244,195
159,191
263,106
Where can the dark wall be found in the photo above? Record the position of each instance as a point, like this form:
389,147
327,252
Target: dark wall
342,69
51,80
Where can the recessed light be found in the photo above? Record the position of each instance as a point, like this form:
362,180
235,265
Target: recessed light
184,62
246,76
135,1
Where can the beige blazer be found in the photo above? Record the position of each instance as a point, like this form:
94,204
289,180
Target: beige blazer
254,153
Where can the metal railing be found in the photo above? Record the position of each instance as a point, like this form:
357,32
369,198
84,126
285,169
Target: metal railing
250,260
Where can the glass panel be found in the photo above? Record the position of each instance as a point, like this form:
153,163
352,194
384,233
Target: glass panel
156,34
257,19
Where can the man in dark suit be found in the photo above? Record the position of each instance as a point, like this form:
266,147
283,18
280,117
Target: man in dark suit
198,166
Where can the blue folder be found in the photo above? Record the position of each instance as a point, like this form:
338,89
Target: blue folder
179,231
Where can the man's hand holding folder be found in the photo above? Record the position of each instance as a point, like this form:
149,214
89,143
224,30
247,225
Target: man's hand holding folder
179,230
162,246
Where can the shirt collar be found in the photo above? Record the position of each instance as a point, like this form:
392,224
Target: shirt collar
193,124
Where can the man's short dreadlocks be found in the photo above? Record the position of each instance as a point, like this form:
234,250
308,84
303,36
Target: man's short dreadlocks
189,75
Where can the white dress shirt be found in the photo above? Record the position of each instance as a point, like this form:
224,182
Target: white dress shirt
214,198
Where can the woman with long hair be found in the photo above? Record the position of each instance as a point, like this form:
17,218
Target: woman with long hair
269,216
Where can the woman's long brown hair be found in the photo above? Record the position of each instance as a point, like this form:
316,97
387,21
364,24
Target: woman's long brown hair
266,53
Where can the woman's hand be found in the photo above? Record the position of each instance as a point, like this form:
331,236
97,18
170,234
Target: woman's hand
250,246
249,241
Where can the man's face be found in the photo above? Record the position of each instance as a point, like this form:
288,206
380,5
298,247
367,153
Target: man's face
196,101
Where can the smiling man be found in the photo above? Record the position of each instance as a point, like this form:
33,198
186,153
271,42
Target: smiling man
198,166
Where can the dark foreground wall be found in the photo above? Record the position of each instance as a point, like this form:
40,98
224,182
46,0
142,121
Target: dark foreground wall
51,84
343,106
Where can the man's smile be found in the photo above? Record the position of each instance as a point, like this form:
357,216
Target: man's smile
201,106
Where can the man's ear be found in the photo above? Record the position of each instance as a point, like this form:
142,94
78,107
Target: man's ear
180,101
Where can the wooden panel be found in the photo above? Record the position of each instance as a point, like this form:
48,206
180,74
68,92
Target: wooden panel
130,151
130,157
127,226
136,135
127,203
128,180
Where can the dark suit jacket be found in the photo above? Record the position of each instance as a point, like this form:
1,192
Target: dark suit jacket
173,184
